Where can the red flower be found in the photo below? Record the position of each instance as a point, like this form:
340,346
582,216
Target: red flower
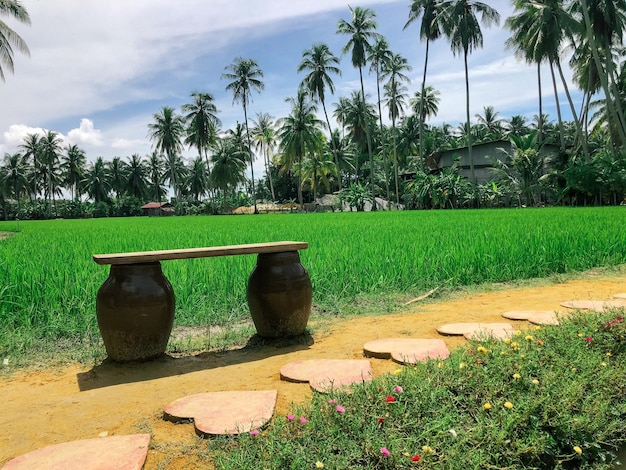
416,458
588,339
390,399
380,420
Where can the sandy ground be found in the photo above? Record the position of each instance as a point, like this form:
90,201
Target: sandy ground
46,407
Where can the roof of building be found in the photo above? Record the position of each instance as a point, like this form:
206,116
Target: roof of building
156,205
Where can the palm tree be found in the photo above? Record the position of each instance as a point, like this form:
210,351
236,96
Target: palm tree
13,176
197,179
462,28
32,150
359,118
202,123
428,106
50,152
264,134
118,174
318,169
321,63
361,32
395,95
490,120
229,164
430,30
167,132
244,76
156,170
73,168
299,135
97,182
136,182
9,38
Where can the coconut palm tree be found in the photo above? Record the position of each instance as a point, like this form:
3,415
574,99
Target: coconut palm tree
361,32
31,149
167,132
318,169
156,170
428,106
73,168
50,153
136,181
229,165
202,123
244,76
117,170
321,63
264,135
462,28
96,182
491,122
14,176
9,39
299,134
395,100
430,30
197,179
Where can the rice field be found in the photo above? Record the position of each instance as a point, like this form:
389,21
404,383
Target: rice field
48,281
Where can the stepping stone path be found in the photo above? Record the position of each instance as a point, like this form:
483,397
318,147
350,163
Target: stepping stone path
219,413
324,375
597,305
407,350
536,317
101,453
477,329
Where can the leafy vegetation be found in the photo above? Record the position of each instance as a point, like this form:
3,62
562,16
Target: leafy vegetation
49,281
546,398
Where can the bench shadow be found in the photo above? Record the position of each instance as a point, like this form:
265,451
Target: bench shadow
109,373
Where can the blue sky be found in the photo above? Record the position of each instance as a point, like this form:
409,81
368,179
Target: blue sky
98,71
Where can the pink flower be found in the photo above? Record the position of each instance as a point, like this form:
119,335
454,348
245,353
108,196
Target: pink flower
340,409
390,399
398,389
385,451
254,432
332,401
290,417
589,340
303,420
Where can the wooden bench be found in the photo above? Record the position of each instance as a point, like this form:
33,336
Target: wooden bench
135,304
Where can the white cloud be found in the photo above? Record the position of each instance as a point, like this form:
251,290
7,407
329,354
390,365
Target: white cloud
85,134
14,136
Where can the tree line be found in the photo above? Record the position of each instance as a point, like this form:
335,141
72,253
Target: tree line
363,158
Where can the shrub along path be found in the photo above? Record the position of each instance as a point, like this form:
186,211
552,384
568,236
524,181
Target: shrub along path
44,407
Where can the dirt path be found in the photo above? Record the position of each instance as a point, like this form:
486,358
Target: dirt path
52,406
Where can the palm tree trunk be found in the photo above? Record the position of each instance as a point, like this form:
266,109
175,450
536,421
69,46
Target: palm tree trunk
332,147
603,74
558,106
369,140
382,135
579,130
245,115
467,115
395,159
269,172
540,123
421,116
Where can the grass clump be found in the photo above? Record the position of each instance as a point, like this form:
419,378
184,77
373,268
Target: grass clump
550,397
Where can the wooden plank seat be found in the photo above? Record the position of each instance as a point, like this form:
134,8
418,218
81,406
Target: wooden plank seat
135,304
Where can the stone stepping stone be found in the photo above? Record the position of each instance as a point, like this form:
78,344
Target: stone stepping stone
548,318
621,295
524,314
219,413
101,453
597,305
406,350
462,328
324,375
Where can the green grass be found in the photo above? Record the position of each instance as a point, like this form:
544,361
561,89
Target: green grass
549,398
358,262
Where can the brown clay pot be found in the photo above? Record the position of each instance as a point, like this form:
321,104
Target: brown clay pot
279,295
135,310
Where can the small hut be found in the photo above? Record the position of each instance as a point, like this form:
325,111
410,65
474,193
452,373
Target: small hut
158,209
